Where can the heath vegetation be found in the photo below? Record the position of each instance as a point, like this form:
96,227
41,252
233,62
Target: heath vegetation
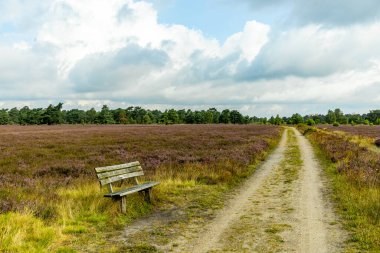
361,130
355,174
50,199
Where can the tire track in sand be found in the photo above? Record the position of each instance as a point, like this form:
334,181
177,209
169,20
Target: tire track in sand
269,214
315,212
209,239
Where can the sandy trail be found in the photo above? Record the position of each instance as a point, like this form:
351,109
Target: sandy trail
236,207
315,212
313,236
269,214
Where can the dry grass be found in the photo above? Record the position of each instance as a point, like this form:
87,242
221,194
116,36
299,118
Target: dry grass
355,175
47,173
262,227
361,130
37,161
355,161
24,233
364,136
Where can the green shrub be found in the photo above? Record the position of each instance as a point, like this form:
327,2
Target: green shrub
309,130
335,124
310,122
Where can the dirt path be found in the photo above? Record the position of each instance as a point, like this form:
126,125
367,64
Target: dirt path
281,208
236,207
315,213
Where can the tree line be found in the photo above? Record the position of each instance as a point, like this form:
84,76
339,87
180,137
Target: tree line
54,114
336,117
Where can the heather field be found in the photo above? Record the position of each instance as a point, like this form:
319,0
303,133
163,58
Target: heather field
50,199
361,130
354,169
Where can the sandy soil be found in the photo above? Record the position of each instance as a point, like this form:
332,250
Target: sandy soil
282,207
210,238
315,212
271,213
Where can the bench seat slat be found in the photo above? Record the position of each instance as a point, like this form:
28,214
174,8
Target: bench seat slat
132,189
119,172
116,167
120,177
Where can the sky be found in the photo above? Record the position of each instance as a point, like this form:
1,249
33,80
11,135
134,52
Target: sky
260,57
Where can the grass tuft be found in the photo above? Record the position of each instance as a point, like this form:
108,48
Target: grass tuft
50,171
25,233
357,198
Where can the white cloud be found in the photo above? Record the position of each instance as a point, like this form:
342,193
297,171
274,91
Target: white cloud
25,74
249,41
313,51
82,28
79,30
114,51
23,45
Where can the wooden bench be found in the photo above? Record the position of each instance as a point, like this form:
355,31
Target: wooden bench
118,173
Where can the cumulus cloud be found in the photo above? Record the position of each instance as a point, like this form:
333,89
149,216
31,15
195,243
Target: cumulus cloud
27,74
118,70
86,53
249,41
140,56
23,15
313,51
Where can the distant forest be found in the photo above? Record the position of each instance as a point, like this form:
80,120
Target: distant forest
54,114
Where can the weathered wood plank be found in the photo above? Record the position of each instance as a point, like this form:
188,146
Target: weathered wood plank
132,189
110,174
120,177
116,167
119,172
123,205
110,189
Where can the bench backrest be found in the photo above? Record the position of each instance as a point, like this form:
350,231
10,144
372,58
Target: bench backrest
111,174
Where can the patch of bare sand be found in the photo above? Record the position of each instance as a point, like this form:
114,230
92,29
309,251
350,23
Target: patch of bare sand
318,227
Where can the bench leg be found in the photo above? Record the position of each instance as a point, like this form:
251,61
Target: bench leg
123,204
148,195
